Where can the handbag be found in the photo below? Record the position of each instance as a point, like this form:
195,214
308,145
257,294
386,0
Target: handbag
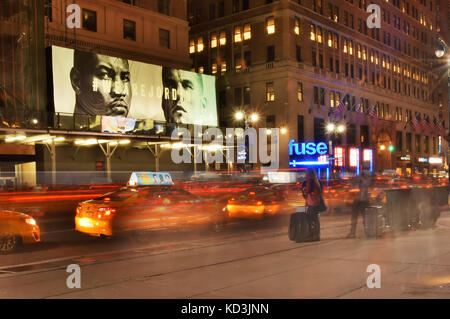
322,207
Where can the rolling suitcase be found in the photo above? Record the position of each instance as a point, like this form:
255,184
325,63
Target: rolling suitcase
302,227
374,221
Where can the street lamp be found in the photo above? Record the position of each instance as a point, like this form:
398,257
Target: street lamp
440,50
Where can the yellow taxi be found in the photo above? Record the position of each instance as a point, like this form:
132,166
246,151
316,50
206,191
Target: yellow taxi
16,229
256,201
150,201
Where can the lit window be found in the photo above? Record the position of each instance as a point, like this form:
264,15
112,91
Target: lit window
332,99
300,92
214,68
270,24
364,53
377,58
192,46
270,92
350,44
371,57
336,41
345,46
201,70
213,40
297,26
247,32
330,39
200,45
319,34
388,63
313,32
237,34
223,38
383,61
223,68
359,51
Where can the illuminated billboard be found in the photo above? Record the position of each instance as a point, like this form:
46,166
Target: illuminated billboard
95,84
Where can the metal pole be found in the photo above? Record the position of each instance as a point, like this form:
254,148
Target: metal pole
53,156
156,158
108,162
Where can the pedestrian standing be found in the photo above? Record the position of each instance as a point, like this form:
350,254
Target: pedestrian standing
361,202
313,192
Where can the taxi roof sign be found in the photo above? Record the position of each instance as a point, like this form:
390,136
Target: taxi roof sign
150,178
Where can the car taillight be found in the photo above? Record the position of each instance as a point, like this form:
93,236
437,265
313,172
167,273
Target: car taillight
104,212
78,210
259,203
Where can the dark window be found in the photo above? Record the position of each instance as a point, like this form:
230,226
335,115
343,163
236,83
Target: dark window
212,11
298,53
270,53
331,65
270,121
163,6
300,129
48,10
221,9
129,30
337,67
235,6
351,134
319,130
245,4
247,59
321,60
408,142
222,99
399,141
313,57
89,20
164,38
237,96
247,95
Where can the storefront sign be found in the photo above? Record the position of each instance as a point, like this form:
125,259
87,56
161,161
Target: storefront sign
435,160
422,160
405,158
308,154
338,156
307,148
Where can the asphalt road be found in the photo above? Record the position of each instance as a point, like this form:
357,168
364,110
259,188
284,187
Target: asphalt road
249,259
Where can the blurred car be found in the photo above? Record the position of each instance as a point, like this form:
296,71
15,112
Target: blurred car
16,229
256,201
147,207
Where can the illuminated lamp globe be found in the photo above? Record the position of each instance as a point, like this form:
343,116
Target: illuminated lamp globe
239,116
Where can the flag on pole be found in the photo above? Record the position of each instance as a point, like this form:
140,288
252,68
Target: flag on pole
358,108
415,122
427,125
373,111
442,128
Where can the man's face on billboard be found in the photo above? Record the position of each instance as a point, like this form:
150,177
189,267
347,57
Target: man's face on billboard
103,86
189,102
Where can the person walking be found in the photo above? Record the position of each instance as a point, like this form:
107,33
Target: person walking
313,193
362,201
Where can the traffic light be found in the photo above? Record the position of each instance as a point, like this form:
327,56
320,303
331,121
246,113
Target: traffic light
391,148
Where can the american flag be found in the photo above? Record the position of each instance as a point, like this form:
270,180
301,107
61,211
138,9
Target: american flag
442,128
416,122
358,108
427,125
435,126
373,111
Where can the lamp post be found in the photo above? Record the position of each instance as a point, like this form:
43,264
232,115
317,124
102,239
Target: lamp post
333,129
252,118
441,49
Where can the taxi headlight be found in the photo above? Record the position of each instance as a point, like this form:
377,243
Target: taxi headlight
30,221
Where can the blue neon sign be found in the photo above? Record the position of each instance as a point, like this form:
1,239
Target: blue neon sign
308,154
307,148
